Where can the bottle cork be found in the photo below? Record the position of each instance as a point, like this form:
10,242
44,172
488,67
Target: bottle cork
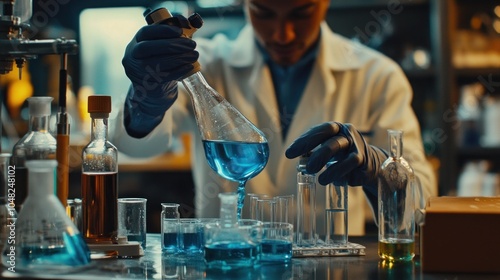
99,104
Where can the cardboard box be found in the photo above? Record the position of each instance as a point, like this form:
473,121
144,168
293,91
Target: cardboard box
461,234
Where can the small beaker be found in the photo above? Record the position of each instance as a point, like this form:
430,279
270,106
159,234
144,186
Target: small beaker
169,227
336,214
277,240
252,202
191,237
285,209
266,210
132,219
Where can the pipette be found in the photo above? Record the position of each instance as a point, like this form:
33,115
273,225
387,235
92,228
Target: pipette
62,152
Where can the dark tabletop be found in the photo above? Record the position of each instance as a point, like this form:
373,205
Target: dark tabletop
155,266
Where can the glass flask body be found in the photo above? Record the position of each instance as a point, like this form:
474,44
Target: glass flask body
37,143
234,147
100,178
45,237
396,207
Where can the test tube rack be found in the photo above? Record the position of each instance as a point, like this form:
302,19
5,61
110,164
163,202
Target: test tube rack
322,249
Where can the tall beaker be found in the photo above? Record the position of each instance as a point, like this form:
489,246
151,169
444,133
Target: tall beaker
396,207
234,147
46,239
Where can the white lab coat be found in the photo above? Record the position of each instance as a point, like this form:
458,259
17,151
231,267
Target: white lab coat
349,83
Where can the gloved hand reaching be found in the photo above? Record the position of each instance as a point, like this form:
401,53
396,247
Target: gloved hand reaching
357,163
154,60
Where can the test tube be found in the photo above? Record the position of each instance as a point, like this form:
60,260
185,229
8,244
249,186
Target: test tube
306,206
284,209
266,210
336,214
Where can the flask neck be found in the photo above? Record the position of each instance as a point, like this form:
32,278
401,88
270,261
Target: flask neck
39,123
396,143
99,129
41,182
195,82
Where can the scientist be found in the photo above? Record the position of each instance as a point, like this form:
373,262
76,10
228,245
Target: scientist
298,82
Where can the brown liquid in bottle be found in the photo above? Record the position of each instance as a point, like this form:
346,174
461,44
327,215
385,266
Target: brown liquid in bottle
100,213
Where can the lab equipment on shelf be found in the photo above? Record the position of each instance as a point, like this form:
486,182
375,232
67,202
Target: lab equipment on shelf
396,207
234,147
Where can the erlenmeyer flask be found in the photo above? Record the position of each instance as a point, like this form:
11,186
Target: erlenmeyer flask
46,239
234,147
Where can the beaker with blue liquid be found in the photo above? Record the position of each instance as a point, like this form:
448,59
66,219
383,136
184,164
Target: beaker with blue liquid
231,243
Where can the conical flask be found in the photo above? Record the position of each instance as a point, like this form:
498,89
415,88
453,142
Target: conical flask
46,239
37,143
396,207
234,147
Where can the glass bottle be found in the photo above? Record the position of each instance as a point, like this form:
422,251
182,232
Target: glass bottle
37,143
45,237
100,177
234,147
396,207
169,227
8,213
306,205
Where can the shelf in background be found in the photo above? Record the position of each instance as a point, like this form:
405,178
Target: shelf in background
475,72
479,153
372,3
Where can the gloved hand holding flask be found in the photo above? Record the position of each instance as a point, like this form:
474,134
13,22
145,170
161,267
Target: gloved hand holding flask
156,58
357,163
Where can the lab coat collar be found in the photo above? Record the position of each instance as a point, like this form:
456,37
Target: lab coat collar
245,53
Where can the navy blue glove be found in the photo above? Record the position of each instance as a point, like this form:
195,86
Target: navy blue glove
154,60
357,163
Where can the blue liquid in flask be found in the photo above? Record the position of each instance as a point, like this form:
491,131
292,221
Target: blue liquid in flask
237,161
170,242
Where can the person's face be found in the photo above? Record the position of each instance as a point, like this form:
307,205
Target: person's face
286,28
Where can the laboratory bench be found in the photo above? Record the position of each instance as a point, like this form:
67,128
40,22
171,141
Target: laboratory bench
155,266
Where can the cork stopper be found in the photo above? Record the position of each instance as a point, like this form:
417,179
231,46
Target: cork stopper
99,105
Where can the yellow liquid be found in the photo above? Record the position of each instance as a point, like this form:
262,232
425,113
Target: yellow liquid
396,250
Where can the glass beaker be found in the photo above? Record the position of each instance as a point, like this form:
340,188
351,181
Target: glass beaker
46,238
234,147
396,206
169,227
306,205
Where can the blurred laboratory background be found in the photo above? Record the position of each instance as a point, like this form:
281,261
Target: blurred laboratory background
449,50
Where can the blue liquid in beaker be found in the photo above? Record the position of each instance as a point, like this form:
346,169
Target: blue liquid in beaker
276,250
229,255
192,242
169,242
